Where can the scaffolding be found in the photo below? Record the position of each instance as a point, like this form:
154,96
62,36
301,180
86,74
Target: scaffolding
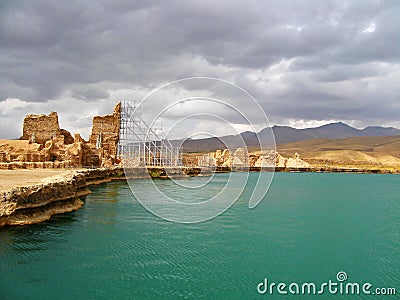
148,146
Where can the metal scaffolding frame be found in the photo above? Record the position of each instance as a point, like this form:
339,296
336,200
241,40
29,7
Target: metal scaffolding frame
142,144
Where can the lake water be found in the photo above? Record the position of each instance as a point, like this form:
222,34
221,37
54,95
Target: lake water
308,228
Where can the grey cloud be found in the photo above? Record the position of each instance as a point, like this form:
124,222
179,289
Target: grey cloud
337,73
85,48
89,92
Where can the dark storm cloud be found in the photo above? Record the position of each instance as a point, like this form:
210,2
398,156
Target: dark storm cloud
341,55
89,92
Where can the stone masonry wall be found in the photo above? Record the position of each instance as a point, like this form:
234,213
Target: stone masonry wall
44,145
40,128
105,132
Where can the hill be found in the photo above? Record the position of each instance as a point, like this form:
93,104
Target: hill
365,150
286,134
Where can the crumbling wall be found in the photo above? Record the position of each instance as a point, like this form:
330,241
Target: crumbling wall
296,162
44,145
105,133
3,157
240,158
40,128
68,139
206,160
81,153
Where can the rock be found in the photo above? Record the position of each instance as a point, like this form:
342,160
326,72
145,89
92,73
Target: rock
225,159
36,203
240,158
3,157
78,138
264,162
68,139
296,162
280,161
206,160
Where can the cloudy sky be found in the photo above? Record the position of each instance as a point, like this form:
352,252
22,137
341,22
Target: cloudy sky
306,62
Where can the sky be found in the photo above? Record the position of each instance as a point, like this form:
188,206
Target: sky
306,63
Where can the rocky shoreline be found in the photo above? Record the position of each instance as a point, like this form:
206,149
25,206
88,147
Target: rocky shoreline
65,193
58,194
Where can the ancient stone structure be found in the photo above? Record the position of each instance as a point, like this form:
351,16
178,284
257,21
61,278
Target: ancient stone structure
40,128
296,162
68,139
206,160
224,158
17,150
44,145
81,153
3,157
105,135
241,159
261,161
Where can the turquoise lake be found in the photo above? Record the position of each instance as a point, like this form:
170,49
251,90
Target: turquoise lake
308,228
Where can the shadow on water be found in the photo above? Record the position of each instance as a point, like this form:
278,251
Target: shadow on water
27,240
22,245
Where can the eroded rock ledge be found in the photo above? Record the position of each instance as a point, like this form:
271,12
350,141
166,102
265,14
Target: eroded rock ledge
65,193
58,194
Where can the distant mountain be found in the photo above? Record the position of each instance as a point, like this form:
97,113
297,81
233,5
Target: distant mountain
379,131
286,134
334,130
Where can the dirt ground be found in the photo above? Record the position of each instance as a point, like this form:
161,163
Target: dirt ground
17,178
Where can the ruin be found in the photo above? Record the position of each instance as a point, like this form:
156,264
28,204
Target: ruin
40,128
44,144
123,138
242,159
105,135
117,137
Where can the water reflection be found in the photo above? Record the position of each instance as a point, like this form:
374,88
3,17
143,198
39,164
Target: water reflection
24,242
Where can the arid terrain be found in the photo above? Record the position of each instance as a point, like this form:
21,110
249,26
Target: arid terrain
22,177
368,151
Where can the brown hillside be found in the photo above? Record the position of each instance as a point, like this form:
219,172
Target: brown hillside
379,151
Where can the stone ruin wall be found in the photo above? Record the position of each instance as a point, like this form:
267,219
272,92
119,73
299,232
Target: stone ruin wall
40,128
3,157
105,134
241,158
52,147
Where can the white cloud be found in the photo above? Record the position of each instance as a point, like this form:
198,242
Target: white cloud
369,28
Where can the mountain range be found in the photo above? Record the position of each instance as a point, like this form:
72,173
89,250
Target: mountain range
287,134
